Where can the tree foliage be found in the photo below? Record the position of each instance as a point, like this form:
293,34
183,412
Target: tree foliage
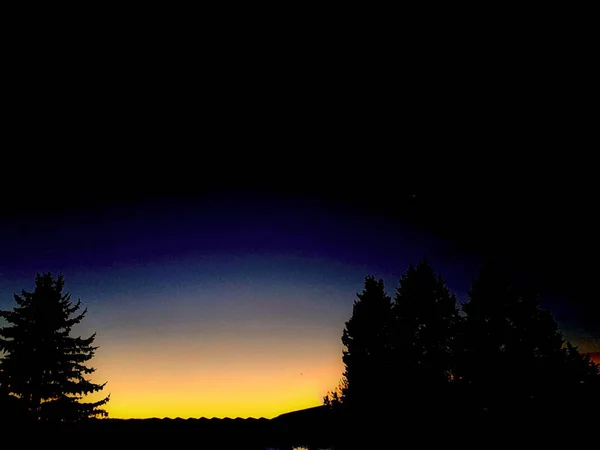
334,398
503,354
400,350
366,354
425,319
43,371
513,353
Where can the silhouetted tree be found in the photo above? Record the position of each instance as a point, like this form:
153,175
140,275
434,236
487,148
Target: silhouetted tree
417,359
366,354
514,356
43,368
425,319
360,400
579,382
333,399
581,369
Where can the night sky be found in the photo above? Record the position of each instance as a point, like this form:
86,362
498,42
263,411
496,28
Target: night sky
232,302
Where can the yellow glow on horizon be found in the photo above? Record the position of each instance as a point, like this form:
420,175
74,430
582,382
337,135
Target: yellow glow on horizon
256,377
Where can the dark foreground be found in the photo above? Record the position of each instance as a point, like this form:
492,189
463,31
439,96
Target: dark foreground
315,429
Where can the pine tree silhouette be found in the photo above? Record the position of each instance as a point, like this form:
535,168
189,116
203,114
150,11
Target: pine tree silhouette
514,357
417,363
367,346
425,319
43,370
579,382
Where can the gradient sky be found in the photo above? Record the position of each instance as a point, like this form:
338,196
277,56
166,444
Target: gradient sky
222,305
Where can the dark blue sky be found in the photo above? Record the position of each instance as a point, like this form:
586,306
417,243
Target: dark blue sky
217,230
159,229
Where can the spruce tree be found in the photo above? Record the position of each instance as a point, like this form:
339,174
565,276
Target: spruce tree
497,317
515,358
425,319
579,382
366,354
43,367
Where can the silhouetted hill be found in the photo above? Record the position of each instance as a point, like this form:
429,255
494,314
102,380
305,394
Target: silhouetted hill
310,426
308,414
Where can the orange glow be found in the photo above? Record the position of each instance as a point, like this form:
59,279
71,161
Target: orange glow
263,375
